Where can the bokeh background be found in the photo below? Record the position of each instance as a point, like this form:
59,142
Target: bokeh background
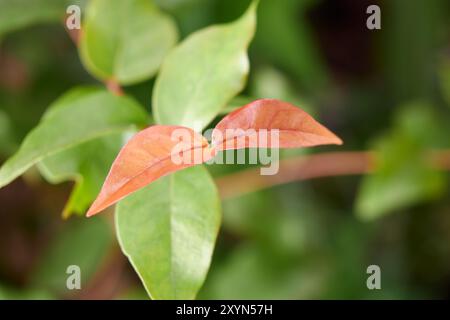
386,91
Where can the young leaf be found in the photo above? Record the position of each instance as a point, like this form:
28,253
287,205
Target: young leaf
79,116
149,155
296,128
200,76
168,230
125,40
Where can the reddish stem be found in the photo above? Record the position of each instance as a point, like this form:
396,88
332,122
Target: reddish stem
114,87
311,167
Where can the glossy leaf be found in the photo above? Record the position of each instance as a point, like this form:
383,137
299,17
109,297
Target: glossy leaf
86,164
296,128
201,75
125,40
92,114
168,230
270,82
148,156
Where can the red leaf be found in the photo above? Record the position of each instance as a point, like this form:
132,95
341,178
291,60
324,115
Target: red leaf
152,153
296,128
148,156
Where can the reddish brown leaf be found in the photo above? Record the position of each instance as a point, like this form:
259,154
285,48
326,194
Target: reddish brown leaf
296,128
148,156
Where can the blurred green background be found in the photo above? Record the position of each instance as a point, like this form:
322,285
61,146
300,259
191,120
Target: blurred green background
386,90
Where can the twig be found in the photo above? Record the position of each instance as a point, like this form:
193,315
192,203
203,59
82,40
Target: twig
310,167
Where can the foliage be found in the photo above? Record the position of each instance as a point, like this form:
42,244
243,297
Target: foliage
302,240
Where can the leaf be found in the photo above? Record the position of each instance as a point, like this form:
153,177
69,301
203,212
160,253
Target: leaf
168,231
149,155
80,242
296,127
201,75
269,82
87,164
125,40
402,175
90,115
236,103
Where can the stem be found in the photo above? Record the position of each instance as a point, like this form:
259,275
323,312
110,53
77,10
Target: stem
114,87
311,167
111,84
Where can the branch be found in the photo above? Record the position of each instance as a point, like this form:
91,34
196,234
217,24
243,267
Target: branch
310,167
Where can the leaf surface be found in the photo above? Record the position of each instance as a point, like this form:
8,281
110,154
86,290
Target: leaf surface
149,155
87,164
168,231
79,116
125,40
201,75
296,128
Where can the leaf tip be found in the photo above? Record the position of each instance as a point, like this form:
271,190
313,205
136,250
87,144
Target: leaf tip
336,140
94,209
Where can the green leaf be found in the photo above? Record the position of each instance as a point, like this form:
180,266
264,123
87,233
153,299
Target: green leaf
125,40
87,164
200,76
79,116
80,242
269,82
403,176
168,231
